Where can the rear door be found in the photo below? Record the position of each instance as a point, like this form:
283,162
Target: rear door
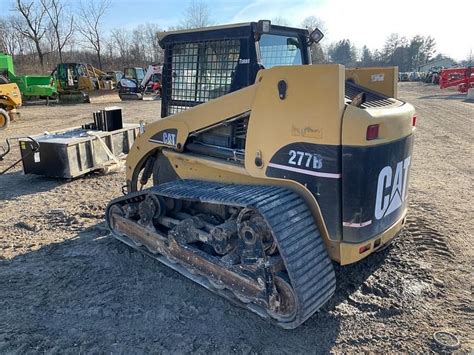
377,142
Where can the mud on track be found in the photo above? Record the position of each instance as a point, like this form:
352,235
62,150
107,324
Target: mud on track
66,286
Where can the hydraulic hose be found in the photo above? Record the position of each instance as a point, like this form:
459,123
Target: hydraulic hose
34,148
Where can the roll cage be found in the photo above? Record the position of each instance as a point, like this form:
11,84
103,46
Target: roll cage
203,64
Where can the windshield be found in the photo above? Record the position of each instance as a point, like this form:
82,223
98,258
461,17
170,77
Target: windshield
279,50
140,74
134,73
129,73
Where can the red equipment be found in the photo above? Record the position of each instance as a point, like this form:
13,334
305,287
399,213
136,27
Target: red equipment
463,78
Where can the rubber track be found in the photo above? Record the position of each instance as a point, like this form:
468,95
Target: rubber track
300,244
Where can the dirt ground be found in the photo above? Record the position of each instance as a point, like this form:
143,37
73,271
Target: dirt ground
68,287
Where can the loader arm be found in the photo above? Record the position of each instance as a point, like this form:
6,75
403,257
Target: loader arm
152,69
185,122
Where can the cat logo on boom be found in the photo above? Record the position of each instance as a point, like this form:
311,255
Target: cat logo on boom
388,201
167,137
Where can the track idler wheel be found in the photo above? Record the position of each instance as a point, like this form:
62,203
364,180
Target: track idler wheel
283,302
150,209
117,211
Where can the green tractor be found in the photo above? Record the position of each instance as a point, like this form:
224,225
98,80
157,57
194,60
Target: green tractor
31,86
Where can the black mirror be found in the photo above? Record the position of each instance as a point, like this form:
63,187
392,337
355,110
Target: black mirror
316,36
292,42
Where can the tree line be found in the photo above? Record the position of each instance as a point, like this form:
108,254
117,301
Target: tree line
399,51
47,32
405,53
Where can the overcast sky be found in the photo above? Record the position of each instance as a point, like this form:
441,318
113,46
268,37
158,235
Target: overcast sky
363,22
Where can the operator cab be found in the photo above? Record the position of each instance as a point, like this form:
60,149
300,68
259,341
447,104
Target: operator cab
207,63
135,74
68,74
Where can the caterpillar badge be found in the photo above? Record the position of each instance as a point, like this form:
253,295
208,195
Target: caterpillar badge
265,168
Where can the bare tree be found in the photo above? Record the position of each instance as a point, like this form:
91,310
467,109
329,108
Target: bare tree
3,35
138,44
30,24
196,15
90,15
61,24
120,39
152,39
50,45
313,22
11,41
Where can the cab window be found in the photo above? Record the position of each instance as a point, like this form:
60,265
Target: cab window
201,71
278,50
140,74
129,73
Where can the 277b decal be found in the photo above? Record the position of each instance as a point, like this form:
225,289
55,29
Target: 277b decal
304,159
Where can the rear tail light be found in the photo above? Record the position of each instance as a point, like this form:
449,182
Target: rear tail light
413,121
364,248
372,132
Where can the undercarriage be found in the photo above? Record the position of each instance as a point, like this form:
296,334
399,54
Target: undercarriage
255,245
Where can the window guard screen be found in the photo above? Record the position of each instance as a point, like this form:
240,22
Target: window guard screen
200,71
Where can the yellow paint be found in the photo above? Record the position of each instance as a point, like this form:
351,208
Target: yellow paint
10,96
349,252
313,111
395,123
370,78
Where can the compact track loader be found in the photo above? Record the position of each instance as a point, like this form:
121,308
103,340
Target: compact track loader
265,168
137,82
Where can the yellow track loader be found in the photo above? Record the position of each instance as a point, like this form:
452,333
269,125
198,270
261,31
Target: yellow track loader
265,169
10,100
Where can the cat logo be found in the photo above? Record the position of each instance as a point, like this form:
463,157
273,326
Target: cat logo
169,138
391,188
166,137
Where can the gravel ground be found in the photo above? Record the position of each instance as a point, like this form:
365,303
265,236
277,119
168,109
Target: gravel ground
67,287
